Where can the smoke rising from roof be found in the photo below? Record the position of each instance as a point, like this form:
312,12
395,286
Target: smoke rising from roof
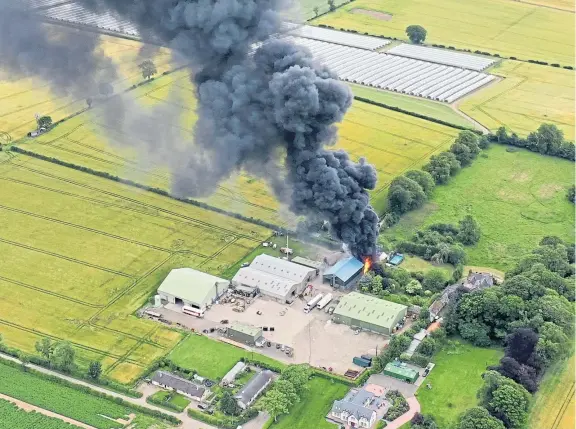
270,110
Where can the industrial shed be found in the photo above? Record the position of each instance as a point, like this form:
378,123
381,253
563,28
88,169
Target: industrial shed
396,370
245,334
191,287
344,273
276,278
368,312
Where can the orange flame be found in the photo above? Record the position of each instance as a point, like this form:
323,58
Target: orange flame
367,264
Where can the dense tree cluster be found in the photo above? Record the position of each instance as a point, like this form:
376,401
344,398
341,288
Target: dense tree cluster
59,355
287,390
148,69
421,421
534,296
416,33
547,140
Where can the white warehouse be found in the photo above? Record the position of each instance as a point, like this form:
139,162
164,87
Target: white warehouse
276,278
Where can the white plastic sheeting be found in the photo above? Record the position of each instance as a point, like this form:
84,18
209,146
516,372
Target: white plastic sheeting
442,56
75,13
338,37
395,73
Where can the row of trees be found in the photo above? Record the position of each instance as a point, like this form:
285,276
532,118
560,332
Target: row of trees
287,390
548,139
410,191
60,355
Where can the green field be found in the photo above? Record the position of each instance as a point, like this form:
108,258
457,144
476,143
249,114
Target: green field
12,417
527,96
392,141
422,106
66,401
510,28
22,97
80,254
306,7
553,406
314,405
516,197
212,358
169,400
455,380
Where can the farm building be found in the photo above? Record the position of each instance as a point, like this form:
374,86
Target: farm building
416,340
368,312
180,385
244,334
233,373
307,263
191,287
344,273
401,372
254,388
276,278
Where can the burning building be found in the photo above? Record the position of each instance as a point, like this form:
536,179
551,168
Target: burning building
344,273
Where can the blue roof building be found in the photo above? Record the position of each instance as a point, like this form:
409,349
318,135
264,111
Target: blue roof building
344,273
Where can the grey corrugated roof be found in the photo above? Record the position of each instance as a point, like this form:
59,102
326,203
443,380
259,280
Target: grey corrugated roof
281,268
236,369
177,383
250,390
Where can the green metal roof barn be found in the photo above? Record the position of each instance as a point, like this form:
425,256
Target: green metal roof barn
368,312
401,372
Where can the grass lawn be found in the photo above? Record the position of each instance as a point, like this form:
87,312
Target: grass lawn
553,406
212,358
419,105
80,254
506,27
455,380
170,399
516,197
414,263
313,407
528,95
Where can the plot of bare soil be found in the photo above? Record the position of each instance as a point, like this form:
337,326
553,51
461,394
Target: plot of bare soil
374,14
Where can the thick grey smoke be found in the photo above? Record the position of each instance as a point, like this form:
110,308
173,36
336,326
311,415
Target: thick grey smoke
270,111
69,61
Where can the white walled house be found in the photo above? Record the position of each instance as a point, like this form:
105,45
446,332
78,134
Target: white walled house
184,387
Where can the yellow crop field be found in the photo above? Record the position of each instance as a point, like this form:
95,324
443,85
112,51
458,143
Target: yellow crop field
80,254
554,404
22,97
510,28
392,141
527,96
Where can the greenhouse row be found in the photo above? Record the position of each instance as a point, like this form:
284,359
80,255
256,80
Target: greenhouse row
338,37
395,73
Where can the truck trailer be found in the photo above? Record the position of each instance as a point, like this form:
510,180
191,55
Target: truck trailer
324,301
361,362
312,303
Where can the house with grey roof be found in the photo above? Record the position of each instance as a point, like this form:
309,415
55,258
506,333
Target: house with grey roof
359,408
254,388
170,381
477,281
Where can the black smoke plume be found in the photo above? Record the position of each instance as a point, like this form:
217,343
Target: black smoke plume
264,105
69,61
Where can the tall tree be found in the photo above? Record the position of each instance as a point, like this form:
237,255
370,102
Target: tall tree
298,375
95,370
478,418
423,178
45,347
520,344
434,280
316,11
228,404
470,140
44,122
405,194
416,33
63,356
148,69
510,405
462,153
469,233
276,403
331,5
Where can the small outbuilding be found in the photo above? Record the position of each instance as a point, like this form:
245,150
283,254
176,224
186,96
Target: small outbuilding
233,373
308,263
180,385
396,370
368,312
254,388
344,273
191,287
245,334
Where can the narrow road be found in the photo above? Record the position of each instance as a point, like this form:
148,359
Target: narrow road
28,407
187,422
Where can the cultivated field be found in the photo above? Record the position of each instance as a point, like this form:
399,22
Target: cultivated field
553,406
21,97
314,405
516,197
392,141
12,417
211,358
510,28
528,95
81,253
455,380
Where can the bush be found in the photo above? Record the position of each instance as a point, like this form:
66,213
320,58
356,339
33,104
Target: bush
420,360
